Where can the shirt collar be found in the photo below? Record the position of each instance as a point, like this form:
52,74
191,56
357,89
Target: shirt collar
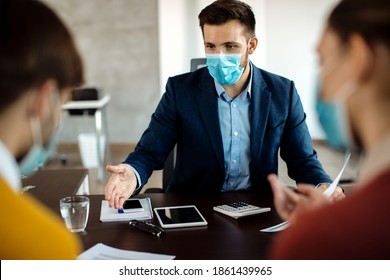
220,90
9,168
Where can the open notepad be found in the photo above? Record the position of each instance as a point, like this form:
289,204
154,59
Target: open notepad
110,214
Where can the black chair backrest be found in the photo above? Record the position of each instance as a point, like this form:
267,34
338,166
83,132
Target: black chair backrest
84,94
197,63
169,167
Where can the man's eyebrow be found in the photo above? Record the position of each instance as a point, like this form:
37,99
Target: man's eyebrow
225,43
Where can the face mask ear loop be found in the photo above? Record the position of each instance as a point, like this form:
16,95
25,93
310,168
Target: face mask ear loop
36,131
346,91
54,100
35,126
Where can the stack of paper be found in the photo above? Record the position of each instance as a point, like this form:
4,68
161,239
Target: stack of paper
110,214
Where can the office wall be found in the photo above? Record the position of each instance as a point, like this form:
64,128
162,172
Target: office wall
292,31
181,37
118,40
131,47
287,30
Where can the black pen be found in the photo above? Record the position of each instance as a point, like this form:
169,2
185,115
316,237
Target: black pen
147,227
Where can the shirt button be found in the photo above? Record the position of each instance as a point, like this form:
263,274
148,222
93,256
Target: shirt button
235,133
234,105
234,161
231,184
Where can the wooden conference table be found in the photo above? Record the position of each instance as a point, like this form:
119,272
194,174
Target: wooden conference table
222,238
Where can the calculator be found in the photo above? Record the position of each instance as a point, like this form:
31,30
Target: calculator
240,209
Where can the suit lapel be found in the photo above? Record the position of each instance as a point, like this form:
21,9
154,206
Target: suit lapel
207,100
260,106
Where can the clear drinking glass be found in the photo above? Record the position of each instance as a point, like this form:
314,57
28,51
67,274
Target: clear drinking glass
75,211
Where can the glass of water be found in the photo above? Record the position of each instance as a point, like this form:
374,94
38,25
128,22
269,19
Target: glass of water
75,211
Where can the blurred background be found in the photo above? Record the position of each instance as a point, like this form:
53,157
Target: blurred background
131,47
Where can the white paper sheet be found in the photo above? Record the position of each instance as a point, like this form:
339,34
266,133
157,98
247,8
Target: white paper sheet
276,228
103,252
328,192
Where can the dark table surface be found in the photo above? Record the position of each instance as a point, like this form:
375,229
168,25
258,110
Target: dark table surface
222,238
50,185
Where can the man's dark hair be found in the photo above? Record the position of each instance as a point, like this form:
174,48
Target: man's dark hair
222,11
369,18
35,45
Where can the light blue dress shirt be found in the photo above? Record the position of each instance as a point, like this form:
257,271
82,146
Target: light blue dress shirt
235,130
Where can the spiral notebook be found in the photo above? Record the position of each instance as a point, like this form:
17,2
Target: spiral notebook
108,214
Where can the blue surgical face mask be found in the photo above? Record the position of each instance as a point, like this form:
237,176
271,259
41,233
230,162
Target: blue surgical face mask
38,153
333,117
38,156
225,68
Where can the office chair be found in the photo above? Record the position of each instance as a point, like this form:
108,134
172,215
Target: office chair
169,165
81,94
88,101
84,94
197,63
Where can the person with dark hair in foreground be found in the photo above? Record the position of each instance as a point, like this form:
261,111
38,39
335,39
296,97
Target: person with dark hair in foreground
354,103
39,66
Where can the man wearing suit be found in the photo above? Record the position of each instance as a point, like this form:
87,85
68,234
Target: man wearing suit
227,121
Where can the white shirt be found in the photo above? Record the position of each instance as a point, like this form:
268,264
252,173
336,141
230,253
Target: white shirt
9,168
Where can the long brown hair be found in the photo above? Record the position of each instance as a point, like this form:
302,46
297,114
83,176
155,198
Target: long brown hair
369,18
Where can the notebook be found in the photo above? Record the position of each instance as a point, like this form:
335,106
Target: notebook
108,214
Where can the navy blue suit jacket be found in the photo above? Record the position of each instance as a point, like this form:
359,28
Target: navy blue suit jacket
187,116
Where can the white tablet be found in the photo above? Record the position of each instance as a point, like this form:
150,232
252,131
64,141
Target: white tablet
179,216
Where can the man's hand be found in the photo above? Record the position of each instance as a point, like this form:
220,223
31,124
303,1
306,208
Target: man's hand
121,184
289,204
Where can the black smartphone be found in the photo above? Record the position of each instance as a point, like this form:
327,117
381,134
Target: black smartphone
132,205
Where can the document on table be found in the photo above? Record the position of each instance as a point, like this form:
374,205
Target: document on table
103,252
328,192
110,214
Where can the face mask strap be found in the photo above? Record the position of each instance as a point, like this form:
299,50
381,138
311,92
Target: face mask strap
35,125
56,99
36,131
345,92
327,73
